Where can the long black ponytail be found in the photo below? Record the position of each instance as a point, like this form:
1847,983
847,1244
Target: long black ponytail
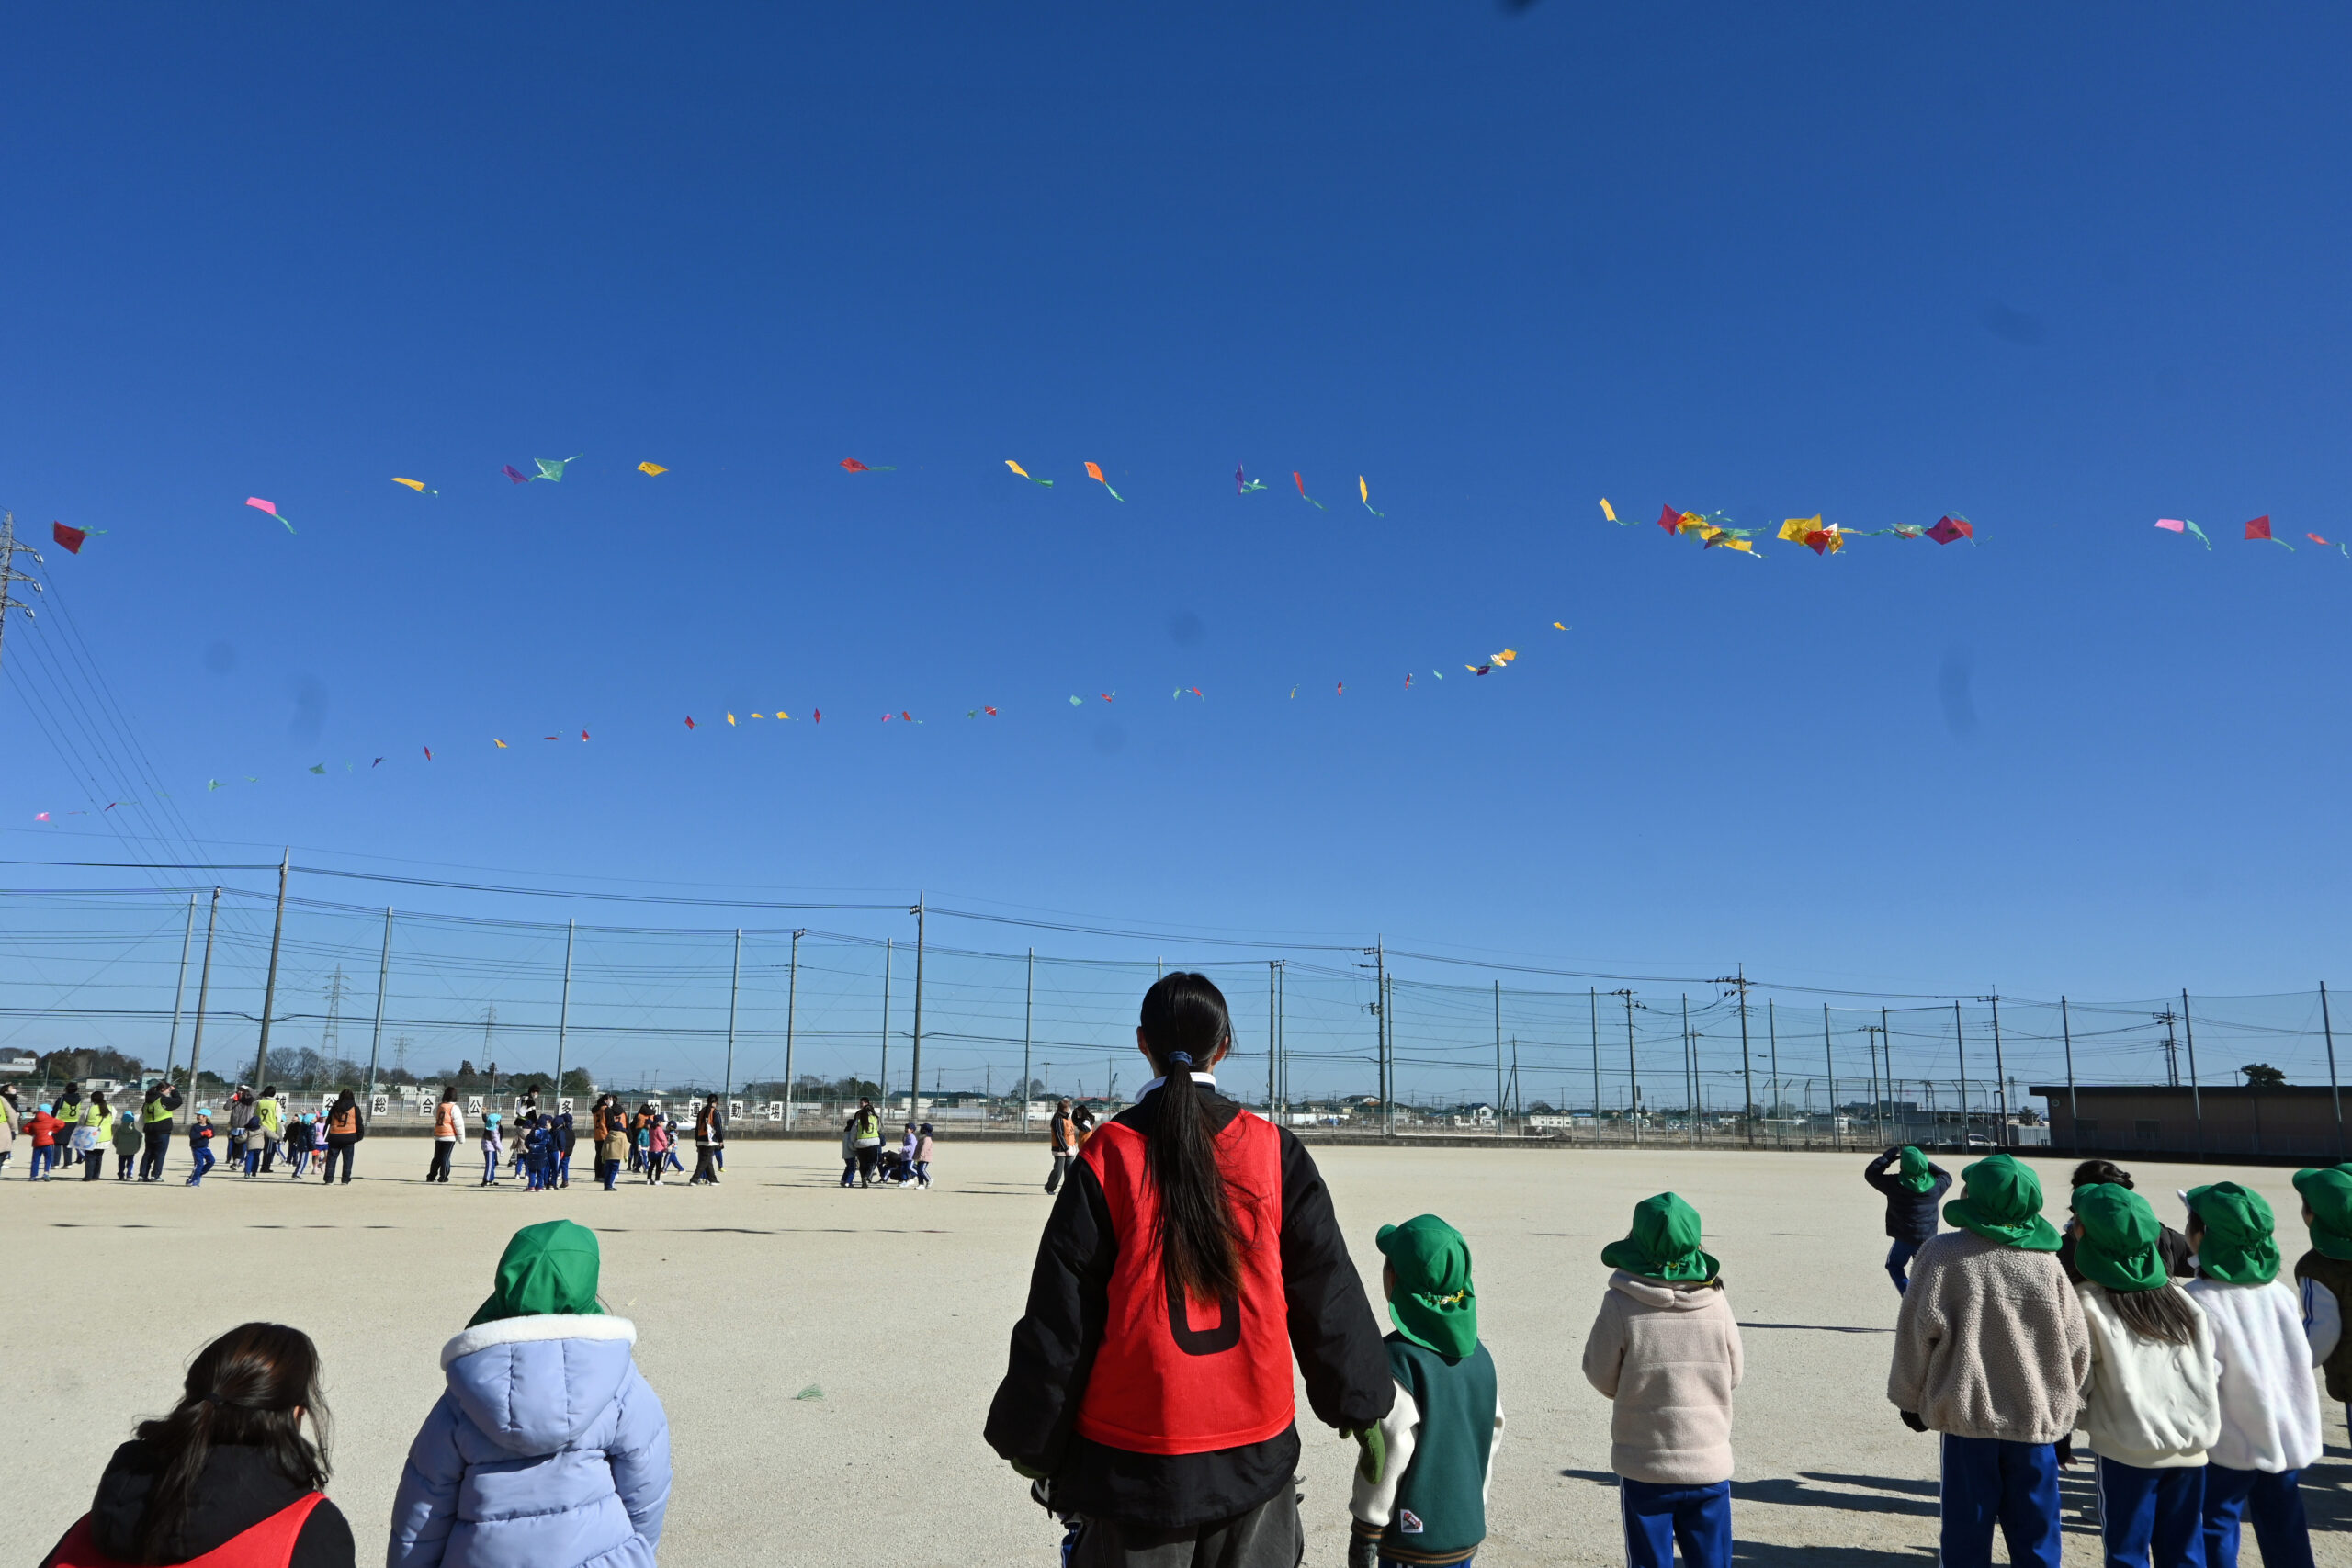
1184,1024
252,1386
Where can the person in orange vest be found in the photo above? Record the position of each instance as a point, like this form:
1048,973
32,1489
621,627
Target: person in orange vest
230,1475
1190,1257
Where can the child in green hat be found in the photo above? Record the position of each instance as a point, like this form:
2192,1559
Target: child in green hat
1420,1489
1991,1351
1913,1188
2270,1428
2153,1403
1665,1350
2324,1273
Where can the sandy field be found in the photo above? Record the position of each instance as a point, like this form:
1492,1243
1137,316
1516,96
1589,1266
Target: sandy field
896,1304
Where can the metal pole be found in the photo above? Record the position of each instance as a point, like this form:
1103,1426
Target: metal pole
1886,1045
914,1083
269,991
885,1086
791,1017
1272,1108
383,979
203,995
563,1007
1380,1017
2000,1076
1772,1034
2074,1110
1282,1022
1746,1063
2196,1095
179,993
734,993
1690,1075
1498,1058
1633,1077
1028,1030
1595,1000
1960,1037
1829,1055
2334,1091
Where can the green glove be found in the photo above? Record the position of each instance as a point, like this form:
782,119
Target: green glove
1372,1452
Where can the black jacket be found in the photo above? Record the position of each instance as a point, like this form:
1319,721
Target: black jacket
1333,1334
239,1487
1910,1216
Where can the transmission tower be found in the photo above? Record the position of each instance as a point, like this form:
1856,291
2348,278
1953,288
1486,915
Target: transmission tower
9,549
331,1035
400,1053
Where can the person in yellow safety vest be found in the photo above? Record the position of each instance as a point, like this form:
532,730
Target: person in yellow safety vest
270,1112
94,1116
156,1126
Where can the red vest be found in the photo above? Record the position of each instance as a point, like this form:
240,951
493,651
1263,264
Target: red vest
1186,1377
269,1544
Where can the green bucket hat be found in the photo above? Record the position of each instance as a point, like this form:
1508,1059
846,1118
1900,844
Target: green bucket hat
1912,1171
2003,1204
1435,1305
2329,1193
1663,1243
2116,1246
546,1268
2239,1246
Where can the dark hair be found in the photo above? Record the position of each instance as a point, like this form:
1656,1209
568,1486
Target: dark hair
347,1101
2161,1313
270,1088
1184,1023
2092,1171
248,1388
448,1094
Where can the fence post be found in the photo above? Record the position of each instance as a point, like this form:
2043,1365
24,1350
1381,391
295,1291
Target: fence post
1829,1056
2325,1026
2196,1095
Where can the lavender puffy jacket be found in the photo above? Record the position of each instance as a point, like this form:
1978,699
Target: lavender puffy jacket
548,1450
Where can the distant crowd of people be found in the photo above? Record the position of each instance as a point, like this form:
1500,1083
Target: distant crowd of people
251,1133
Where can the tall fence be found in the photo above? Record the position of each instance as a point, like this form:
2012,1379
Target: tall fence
1438,1042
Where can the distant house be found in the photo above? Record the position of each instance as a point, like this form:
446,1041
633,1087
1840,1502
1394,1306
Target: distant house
18,1064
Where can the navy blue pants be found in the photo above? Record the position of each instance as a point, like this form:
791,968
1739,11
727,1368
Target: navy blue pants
1987,1481
1657,1517
1898,1264
2272,1503
2152,1512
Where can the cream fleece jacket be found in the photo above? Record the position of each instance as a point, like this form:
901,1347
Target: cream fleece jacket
1669,1357
2270,1400
1990,1342
2149,1402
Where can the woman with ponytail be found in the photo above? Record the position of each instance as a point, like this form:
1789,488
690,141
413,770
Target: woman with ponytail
1190,1255
229,1476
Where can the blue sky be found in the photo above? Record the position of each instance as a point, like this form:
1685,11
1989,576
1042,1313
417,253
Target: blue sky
2064,273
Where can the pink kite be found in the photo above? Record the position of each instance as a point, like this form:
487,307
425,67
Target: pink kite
2173,523
2260,529
71,539
690,721
428,754
517,475
1948,528
258,504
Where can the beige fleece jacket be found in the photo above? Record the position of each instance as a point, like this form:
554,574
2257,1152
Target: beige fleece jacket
1669,1356
1990,1342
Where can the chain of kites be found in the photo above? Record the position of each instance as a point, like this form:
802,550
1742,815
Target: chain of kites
1713,530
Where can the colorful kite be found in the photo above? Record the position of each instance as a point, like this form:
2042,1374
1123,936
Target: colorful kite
1363,493
651,470
1076,703
731,718
1302,492
428,754
855,467
551,468
377,764
690,721
1094,473
1558,625
1609,512
1949,529
991,712
500,744
71,539
315,767
2175,524
1479,669
416,485
258,504
2260,529
1027,475
511,472
1242,486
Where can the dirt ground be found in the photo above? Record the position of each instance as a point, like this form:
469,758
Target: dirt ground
896,1305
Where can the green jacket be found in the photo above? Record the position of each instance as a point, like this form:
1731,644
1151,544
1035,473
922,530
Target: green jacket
1428,1504
127,1136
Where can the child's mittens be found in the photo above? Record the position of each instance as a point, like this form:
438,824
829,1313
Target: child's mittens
1372,1452
1911,1419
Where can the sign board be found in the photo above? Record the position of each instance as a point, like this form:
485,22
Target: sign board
775,1110
378,1105
735,1110
474,1105
563,1105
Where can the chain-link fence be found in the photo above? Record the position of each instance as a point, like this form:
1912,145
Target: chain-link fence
410,998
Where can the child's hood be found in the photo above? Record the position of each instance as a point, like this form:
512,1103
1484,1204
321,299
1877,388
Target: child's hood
1657,1296
533,1384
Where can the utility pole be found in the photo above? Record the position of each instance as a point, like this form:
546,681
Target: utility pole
1273,1109
734,992
791,1014
10,549
2326,1028
2073,1110
1886,1045
1690,1075
1746,1063
269,991
1593,998
1380,1022
1959,1036
2172,1048
1772,1034
914,1079
203,996
383,979
1874,1034
2000,1075
563,1007
1633,1075
884,1086
1498,1058
179,993
1829,1057
2196,1095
